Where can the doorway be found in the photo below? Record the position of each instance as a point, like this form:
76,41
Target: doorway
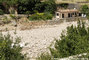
62,15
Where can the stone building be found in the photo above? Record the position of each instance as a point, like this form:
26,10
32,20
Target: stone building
67,13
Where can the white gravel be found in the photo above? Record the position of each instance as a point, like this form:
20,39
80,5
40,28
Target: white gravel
39,39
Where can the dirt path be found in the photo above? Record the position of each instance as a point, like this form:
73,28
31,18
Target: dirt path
39,39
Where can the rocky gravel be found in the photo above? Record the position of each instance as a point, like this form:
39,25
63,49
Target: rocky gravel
38,40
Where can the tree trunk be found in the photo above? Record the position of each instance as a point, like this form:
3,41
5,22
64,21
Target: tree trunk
6,7
16,12
11,10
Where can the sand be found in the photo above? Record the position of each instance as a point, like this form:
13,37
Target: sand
39,39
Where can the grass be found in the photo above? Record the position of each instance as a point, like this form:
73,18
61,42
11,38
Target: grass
45,56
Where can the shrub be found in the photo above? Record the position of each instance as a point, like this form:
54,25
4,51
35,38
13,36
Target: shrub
48,16
10,50
44,56
35,17
50,6
6,20
76,41
41,16
63,5
1,12
85,10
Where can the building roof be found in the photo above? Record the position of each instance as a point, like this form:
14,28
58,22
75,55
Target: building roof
67,10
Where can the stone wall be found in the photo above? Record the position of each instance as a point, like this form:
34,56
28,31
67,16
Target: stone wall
8,15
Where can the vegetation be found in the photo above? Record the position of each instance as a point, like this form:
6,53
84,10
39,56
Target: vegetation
6,20
50,6
41,16
1,12
22,6
45,56
28,7
10,50
74,42
10,5
85,10
63,5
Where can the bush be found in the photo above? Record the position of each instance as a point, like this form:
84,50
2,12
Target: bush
48,16
76,41
10,50
50,6
1,12
63,5
41,16
44,56
6,20
85,10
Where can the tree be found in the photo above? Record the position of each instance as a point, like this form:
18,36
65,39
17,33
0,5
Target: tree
63,5
27,5
11,5
76,41
10,50
85,9
50,6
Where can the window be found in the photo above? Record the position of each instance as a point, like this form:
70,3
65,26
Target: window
62,15
57,14
72,13
80,14
68,14
75,14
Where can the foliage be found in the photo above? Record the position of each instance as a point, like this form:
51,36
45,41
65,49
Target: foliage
1,12
6,20
63,5
40,7
41,16
10,5
27,5
47,6
85,10
84,56
50,6
21,5
44,56
10,50
76,41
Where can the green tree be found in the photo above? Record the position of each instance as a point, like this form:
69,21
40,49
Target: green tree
27,5
85,9
50,6
76,41
63,5
10,50
10,5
